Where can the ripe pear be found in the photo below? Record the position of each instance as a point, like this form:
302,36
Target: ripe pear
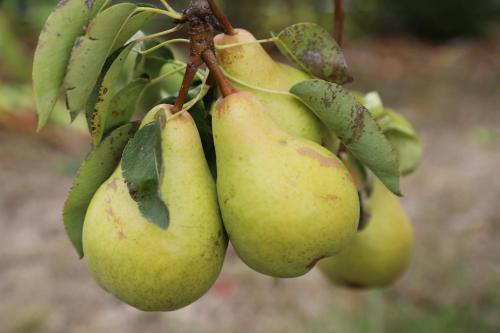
142,264
380,252
286,202
251,64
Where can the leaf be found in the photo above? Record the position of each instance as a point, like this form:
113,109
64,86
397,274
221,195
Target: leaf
354,125
373,102
97,167
408,149
390,120
133,24
142,171
91,51
398,131
64,25
312,48
106,91
123,104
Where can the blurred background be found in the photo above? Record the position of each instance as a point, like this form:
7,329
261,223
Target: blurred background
438,62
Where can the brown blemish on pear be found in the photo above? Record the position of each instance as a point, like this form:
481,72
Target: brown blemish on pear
323,160
330,197
113,185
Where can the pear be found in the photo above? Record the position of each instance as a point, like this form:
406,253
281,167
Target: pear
172,83
142,264
380,252
251,64
286,202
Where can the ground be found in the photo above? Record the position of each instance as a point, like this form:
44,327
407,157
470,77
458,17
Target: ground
450,93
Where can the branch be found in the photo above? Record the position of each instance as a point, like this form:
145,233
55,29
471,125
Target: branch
339,21
219,14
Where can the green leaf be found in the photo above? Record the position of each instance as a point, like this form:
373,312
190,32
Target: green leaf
123,104
398,131
135,23
106,91
142,171
91,51
408,149
94,96
355,127
390,120
312,48
64,25
97,167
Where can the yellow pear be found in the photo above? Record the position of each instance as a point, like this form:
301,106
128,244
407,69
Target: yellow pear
380,252
142,264
286,202
251,64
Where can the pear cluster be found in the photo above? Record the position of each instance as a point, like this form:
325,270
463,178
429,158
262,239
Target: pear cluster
281,198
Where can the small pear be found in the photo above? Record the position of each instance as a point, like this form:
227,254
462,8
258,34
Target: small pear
142,264
286,202
251,64
380,252
172,83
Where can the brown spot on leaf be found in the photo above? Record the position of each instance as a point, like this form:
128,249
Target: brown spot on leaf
90,4
358,124
121,235
325,161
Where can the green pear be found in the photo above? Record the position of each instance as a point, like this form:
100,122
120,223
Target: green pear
286,202
142,264
380,252
172,83
251,64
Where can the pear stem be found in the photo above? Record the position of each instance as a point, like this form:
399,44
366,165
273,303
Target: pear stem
160,34
201,39
222,82
174,15
260,41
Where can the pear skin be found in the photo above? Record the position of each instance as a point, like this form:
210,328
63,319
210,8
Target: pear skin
286,202
172,83
148,267
251,64
380,252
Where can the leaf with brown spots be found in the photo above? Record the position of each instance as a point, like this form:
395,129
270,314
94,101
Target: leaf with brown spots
312,48
64,25
97,167
355,127
108,85
105,34
123,104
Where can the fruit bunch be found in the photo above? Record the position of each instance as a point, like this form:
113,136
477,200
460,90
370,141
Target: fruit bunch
282,162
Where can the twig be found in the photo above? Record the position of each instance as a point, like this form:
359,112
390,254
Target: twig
339,21
223,84
223,20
